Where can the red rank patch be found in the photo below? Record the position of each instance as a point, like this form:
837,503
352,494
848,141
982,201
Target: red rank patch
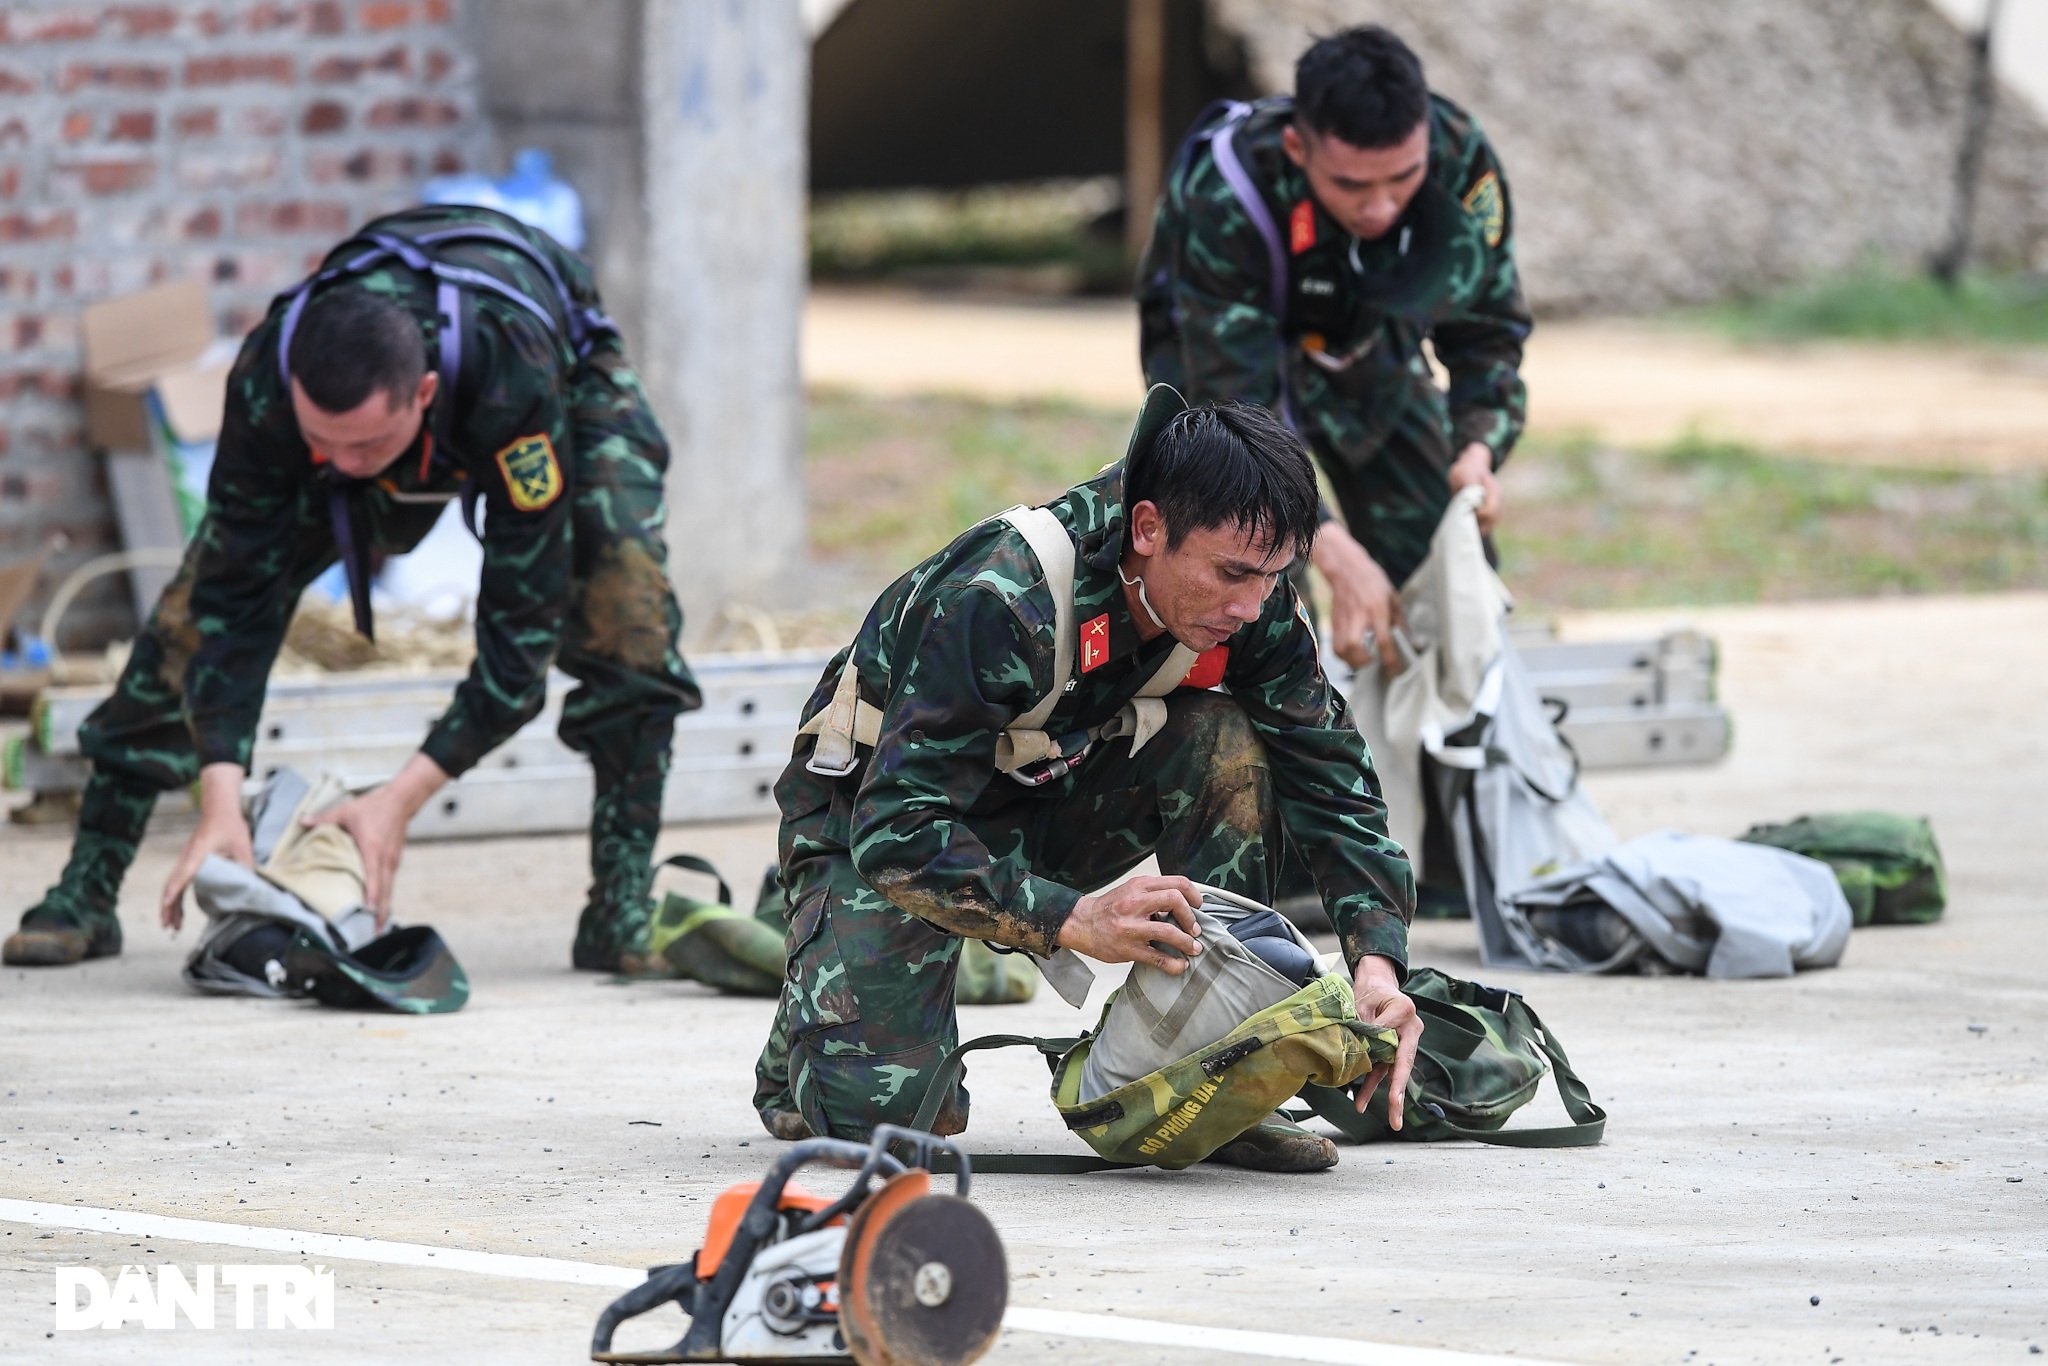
1208,669
1302,227
1095,643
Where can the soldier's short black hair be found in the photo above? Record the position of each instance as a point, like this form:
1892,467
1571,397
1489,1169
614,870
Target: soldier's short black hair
1227,463
350,343
1363,85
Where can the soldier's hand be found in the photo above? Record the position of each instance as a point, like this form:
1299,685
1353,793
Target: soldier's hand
377,821
221,831
1474,465
1126,923
1380,1002
1362,600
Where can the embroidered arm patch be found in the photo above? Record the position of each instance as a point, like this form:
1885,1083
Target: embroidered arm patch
532,475
1483,202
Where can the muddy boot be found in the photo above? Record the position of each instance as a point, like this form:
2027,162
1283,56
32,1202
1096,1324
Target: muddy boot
1277,1145
612,935
75,919
625,817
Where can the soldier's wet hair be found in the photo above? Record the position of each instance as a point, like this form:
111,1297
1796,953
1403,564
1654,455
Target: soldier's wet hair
352,343
1228,464
1362,85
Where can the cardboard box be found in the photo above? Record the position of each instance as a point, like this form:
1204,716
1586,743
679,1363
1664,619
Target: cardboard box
159,340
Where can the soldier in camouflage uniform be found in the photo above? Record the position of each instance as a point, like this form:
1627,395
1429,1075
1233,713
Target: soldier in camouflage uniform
924,843
340,441
1389,225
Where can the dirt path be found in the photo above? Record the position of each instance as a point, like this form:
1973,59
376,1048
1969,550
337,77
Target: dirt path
1630,383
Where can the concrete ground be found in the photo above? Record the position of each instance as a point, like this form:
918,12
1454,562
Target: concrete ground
1870,1136
1635,384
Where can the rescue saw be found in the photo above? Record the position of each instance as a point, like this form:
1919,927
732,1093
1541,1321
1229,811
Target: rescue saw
891,1273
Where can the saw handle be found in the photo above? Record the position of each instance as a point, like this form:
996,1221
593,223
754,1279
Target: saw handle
663,1283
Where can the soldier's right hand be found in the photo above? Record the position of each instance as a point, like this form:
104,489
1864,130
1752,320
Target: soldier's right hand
221,831
1364,604
1130,922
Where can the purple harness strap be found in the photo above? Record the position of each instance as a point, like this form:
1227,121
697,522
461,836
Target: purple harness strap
582,324
1223,148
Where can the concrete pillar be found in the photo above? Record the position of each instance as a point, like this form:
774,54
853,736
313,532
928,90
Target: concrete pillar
723,88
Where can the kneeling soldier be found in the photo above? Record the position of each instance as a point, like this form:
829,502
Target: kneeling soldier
443,353
959,778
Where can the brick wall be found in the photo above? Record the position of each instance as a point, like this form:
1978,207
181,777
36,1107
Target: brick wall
230,142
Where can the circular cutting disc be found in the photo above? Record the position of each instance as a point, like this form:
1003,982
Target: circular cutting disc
923,1280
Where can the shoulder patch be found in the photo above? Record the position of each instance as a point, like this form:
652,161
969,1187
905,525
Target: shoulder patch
1483,202
532,476
1301,227
1095,643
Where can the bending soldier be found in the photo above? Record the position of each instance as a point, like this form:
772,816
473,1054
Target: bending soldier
932,799
443,354
1303,252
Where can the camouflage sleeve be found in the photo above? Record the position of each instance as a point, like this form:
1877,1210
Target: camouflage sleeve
524,436
1323,777
259,511
1481,347
965,665
1229,339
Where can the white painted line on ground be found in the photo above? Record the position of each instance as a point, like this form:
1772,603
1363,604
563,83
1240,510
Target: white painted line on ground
339,1247
1052,1322
1285,1346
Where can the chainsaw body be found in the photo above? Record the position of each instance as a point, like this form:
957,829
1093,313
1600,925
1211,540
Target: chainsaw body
787,1307
888,1274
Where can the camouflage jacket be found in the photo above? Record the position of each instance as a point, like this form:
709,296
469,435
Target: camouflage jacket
510,432
962,645
1357,312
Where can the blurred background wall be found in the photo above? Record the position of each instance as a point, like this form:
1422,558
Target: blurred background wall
227,142
1659,154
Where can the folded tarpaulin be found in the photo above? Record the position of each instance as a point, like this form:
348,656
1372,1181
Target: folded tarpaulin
1708,905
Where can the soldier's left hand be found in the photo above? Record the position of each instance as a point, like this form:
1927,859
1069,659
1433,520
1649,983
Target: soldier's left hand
377,821
1378,991
1474,465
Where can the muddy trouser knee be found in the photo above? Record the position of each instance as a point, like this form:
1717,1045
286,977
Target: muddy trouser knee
867,1012
620,644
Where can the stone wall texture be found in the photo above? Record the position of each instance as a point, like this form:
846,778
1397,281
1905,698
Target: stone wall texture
230,142
1665,152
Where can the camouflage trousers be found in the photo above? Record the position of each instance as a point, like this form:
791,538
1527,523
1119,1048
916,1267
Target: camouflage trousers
867,1013
619,642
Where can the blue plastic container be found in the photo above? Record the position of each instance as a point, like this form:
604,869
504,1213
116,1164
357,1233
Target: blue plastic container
530,194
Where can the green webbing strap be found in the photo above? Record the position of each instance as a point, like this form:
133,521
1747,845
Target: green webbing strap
1005,1164
1589,1121
699,865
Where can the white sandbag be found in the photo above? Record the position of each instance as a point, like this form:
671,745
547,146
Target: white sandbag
1454,603
1521,817
1721,907
1157,1017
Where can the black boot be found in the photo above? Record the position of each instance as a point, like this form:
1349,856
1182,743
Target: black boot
75,919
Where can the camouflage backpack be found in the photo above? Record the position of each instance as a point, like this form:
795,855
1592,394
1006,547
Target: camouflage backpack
1181,1113
1889,866
1483,1056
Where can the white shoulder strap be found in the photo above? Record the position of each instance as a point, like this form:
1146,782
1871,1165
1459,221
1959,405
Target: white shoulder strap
1055,550
1178,661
